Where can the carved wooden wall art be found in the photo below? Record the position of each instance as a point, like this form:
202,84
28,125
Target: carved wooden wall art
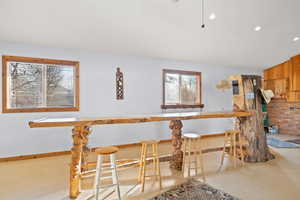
119,84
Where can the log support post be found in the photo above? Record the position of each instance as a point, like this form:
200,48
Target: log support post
252,129
247,97
177,154
78,157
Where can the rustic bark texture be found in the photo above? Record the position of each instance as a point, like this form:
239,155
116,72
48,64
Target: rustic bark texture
85,149
78,152
177,154
249,99
75,162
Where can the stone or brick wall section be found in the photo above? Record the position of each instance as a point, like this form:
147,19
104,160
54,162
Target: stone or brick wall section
286,115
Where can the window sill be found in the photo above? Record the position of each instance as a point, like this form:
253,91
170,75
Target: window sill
31,110
181,106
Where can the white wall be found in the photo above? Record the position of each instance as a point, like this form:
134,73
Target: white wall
143,90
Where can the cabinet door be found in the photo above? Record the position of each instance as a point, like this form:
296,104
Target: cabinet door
273,73
266,74
293,97
276,72
278,86
280,71
295,61
286,69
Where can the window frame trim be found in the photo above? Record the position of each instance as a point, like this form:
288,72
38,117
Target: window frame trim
180,106
5,92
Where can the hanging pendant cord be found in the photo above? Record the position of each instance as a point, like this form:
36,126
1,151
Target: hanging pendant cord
203,25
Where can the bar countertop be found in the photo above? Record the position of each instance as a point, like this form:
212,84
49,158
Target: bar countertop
77,121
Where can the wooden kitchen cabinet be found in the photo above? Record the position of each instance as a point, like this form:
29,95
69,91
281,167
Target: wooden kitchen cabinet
276,79
293,96
275,72
295,63
278,86
284,80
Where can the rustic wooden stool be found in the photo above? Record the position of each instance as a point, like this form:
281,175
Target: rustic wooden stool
143,162
233,139
108,168
192,148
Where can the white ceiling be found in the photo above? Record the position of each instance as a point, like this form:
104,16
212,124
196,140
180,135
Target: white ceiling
160,28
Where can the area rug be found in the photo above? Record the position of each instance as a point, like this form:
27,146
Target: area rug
194,190
280,144
296,141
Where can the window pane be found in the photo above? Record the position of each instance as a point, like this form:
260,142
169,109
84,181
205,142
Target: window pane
172,89
189,91
25,85
60,86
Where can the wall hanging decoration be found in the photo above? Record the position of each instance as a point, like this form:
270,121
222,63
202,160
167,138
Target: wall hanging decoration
119,84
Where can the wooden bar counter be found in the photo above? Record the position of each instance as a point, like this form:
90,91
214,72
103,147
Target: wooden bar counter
82,129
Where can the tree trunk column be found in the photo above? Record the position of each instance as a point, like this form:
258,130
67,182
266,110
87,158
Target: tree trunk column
177,154
247,97
252,129
80,139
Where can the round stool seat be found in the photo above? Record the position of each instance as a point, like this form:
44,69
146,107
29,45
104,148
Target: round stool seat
106,150
150,142
190,135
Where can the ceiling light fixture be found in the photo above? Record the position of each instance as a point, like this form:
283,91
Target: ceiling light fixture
212,16
296,39
257,28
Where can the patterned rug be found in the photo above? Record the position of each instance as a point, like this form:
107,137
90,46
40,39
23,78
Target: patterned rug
280,144
194,190
296,141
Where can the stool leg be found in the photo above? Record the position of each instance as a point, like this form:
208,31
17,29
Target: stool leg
98,176
223,152
201,161
231,146
115,174
234,150
184,156
154,160
189,157
158,166
196,154
141,163
144,167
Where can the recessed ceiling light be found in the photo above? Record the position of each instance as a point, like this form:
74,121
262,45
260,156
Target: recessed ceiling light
212,16
257,28
296,39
